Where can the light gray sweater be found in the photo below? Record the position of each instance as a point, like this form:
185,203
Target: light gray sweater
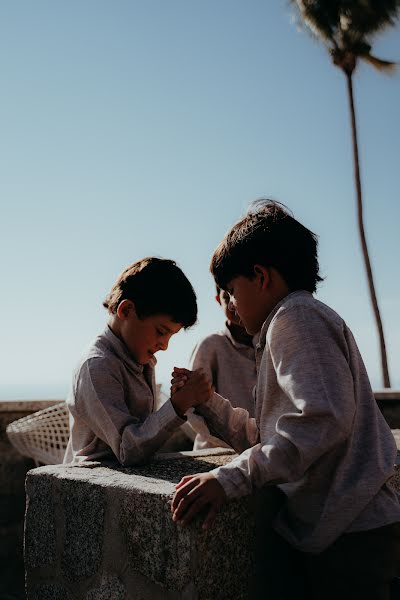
111,407
231,368
318,432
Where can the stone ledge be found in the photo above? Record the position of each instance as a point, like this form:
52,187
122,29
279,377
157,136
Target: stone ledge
102,531
28,406
388,394
123,535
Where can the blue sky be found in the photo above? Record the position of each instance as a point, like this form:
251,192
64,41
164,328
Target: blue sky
146,128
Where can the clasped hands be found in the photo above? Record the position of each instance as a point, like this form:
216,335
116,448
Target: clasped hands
194,493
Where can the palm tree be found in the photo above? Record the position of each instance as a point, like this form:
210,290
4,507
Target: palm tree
346,27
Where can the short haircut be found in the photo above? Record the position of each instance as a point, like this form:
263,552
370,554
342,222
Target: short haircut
156,286
268,235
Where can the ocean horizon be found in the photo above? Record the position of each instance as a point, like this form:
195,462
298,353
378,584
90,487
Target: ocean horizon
33,392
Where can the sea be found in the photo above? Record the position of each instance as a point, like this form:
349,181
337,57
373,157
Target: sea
33,391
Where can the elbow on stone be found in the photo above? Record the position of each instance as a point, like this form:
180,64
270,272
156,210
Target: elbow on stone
131,458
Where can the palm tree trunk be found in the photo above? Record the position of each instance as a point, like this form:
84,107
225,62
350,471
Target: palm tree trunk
384,364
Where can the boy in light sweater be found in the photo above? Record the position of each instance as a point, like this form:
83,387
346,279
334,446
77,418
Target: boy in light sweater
228,360
112,399
317,434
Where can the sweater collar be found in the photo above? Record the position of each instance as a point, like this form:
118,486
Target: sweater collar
267,322
123,353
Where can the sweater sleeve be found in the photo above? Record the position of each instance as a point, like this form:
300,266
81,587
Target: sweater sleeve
203,357
233,425
310,360
101,404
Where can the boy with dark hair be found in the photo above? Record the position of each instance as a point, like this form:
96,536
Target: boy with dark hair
318,433
228,359
113,393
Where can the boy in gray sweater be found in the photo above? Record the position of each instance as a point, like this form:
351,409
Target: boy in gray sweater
228,359
317,433
112,399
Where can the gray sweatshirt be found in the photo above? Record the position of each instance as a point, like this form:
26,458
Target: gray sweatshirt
317,433
111,407
231,368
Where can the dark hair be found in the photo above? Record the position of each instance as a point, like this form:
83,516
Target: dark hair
268,235
156,286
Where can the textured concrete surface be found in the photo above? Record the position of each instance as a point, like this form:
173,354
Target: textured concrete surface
41,536
84,525
104,531
95,528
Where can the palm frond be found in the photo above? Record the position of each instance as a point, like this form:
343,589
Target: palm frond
316,18
346,26
369,16
379,64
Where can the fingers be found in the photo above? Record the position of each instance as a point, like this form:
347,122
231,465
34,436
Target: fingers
184,480
177,382
189,388
185,487
186,514
181,379
194,502
181,370
176,386
194,494
190,504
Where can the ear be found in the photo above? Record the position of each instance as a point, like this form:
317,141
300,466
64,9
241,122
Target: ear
218,299
125,309
263,274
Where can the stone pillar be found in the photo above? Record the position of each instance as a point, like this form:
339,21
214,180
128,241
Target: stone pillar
104,532
99,532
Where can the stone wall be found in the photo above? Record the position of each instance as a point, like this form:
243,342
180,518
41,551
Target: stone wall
13,469
105,532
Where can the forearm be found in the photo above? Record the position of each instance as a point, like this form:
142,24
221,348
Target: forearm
199,429
299,443
131,441
138,442
102,406
256,467
233,425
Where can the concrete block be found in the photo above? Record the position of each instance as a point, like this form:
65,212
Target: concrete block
100,531
84,525
40,529
110,588
50,591
106,527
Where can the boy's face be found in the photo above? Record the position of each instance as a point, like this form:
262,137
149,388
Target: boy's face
223,299
144,337
250,299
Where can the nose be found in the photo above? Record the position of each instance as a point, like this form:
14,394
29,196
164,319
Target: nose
163,344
